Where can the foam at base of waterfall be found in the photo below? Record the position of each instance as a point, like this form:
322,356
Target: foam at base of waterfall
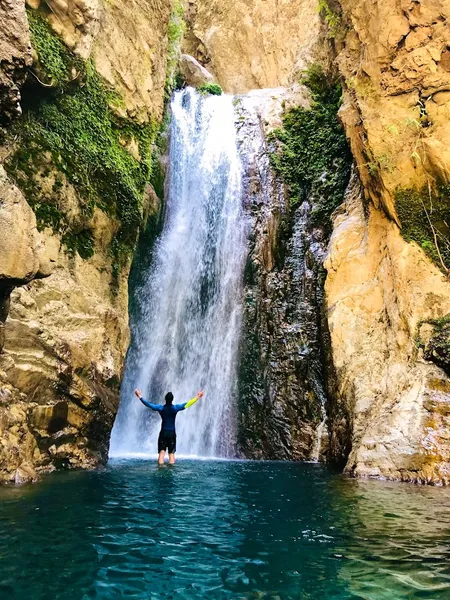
126,456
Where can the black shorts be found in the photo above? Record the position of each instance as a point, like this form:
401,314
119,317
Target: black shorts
167,440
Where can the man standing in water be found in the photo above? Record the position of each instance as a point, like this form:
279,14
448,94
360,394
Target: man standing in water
167,436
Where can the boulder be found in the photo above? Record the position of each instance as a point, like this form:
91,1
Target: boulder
193,72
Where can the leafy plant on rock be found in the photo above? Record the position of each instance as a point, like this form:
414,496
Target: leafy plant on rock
311,152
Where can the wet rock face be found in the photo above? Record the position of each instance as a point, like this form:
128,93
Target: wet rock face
15,56
281,378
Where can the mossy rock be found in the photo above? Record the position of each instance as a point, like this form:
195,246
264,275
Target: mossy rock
78,126
311,152
437,348
56,64
425,217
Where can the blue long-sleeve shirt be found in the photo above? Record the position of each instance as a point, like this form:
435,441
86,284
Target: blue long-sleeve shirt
168,412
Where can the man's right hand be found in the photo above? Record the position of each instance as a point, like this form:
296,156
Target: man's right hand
200,394
138,394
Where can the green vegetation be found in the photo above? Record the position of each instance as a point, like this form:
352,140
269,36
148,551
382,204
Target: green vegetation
331,13
425,217
74,131
210,88
437,349
311,152
175,32
56,62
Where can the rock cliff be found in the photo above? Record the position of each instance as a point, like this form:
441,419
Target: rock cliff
254,44
281,393
80,157
387,288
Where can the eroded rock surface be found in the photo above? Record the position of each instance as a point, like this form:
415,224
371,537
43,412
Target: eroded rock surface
394,58
379,288
250,44
15,56
65,342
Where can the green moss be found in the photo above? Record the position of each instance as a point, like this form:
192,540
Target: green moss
311,152
415,209
330,11
210,88
81,242
57,64
75,131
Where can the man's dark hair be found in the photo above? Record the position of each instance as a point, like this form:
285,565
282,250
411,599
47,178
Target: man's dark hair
169,398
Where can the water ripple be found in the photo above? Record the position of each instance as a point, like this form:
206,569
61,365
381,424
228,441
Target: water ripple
222,530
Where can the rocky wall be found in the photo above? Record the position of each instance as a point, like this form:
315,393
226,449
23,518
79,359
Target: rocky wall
252,44
387,287
80,157
283,395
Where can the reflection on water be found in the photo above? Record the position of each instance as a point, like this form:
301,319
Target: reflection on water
399,547
222,530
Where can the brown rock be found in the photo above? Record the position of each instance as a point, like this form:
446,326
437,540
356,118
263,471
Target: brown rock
418,37
378,289
128,42
22,255
15,56
25,474
130,52
250,44
193,72
442,98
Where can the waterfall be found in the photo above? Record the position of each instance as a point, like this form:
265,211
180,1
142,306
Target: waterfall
187,335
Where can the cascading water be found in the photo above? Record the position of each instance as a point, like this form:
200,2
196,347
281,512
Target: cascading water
191,302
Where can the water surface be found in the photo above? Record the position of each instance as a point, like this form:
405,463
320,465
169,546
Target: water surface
222,530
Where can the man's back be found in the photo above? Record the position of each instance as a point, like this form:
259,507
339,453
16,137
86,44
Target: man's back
168,414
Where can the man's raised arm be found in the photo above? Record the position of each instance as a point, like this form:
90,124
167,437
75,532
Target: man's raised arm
194,400
157,407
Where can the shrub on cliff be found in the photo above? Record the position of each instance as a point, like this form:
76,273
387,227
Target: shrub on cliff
210,88
311,152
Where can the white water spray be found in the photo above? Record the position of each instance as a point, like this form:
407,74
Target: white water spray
192,299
